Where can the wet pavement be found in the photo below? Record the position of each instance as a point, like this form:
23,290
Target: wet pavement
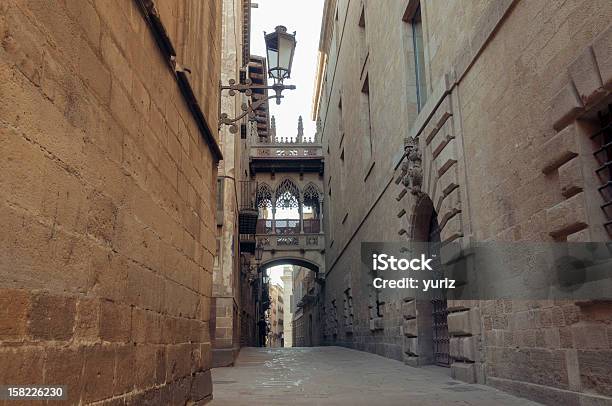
340,376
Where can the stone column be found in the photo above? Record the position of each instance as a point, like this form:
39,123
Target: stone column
301,206
273,217
320,214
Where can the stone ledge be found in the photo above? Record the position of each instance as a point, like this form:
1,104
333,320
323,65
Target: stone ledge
376,324
570,178
464,323
464,349
562,147
452,229
448,205
565,107
411,346
438,118
409,328
580,236
409,309
447,157
567,217
446,184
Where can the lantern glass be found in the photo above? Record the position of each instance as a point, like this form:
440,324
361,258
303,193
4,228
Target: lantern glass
280,48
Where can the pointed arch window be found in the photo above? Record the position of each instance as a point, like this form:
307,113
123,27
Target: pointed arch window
287,206
264,196
312,209
287,195
265,205
311,200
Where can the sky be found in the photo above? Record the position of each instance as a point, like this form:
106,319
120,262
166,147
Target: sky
304,17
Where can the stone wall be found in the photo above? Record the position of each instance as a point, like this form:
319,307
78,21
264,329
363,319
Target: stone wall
107,199
226,276
504,153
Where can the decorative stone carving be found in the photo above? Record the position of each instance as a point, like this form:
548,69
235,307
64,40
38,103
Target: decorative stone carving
412,167
264,195
287,240
312,240
300,134
287,195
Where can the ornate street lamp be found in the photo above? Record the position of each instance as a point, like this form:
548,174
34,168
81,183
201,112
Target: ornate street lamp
280,48
259,252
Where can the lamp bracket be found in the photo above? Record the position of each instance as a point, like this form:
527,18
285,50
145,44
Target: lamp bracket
247,88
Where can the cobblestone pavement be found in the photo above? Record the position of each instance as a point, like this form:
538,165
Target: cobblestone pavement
340,376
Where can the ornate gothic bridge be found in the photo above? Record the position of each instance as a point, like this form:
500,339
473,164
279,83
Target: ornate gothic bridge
287,184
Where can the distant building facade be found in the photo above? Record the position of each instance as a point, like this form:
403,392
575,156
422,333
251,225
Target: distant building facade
307,317
287,278
234,304
467,121
276,316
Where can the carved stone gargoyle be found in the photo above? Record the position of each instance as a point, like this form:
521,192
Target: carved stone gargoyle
412,167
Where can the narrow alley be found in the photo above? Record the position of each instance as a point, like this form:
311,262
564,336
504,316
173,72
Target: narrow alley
341,376
291,202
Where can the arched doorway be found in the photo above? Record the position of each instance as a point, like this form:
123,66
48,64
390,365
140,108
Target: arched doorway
426,228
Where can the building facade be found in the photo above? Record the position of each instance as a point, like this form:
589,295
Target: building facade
308,317
108,175
475,130
276,317
287,278
233,317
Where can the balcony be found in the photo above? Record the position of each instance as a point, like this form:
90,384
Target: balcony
288,226
292,242
247,243
247,211
286,157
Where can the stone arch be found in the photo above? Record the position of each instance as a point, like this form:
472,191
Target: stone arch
311,190
430,193
420,219
312,197
429,187
290,260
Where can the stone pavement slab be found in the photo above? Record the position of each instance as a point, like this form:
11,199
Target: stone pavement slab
341,376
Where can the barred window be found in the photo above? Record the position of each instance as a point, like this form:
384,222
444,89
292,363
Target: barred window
603,154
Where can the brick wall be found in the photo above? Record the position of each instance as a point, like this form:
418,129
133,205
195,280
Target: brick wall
106,200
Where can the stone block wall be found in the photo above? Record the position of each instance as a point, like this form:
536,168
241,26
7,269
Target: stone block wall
107,187
227,279
514,88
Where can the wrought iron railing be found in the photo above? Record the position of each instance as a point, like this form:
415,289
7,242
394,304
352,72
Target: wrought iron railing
287,226
248,191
